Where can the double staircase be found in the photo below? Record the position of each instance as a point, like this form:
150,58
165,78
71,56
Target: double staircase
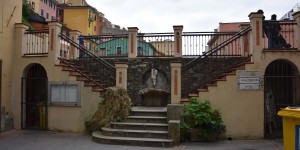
145,126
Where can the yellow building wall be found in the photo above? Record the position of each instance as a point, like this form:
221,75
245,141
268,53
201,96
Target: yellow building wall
243,111
11,13
36,6
77,19
60,118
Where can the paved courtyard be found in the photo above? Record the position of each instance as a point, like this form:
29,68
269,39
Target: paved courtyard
46,140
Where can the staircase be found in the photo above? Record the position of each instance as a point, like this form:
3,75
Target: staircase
146,126
221,78
91,69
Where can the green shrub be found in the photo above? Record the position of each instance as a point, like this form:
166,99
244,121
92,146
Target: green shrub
201,116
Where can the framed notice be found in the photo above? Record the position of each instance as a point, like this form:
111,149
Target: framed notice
250,80
64,93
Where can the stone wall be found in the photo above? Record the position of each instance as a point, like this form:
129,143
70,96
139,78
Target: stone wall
194,77
138,68
204,71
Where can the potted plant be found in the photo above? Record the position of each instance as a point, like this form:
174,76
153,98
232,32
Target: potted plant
202,122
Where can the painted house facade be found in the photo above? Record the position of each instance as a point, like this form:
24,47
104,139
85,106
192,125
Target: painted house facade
48,9
119,47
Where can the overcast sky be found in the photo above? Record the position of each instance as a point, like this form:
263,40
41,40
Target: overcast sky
195,15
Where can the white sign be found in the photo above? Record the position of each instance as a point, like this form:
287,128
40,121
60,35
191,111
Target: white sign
249,86
249,80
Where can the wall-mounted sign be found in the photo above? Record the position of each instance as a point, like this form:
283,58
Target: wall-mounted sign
250,80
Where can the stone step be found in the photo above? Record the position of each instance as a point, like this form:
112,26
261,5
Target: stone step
134,133
140,126
148,111
146,119
153,142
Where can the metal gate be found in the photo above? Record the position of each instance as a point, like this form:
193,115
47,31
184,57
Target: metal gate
282,89
34,99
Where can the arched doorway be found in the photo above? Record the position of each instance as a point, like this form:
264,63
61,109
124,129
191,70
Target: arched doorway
282,89
34,98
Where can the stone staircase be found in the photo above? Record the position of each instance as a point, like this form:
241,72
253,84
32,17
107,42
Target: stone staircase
146,126
220,78
89,78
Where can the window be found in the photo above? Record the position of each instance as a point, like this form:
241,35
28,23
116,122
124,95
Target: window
50,4
42,12
60,12
89,24
119,49
140,51
52,18
33,5
64,93
46,1
54,6
47,15
94,28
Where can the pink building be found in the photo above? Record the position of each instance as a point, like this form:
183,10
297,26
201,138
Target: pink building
48,9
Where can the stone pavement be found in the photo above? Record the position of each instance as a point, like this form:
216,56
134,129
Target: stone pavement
47,140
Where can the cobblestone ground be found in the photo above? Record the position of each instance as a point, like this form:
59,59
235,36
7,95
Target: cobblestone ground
46,140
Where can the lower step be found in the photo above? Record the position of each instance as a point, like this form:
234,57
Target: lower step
153,142
135,133
140,126
146,119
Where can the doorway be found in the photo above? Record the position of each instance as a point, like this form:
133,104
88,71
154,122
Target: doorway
281,90
34,98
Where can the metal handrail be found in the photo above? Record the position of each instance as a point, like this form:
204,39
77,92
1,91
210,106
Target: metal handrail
218,47
87,52
77,70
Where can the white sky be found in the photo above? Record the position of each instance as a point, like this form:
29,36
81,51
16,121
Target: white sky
195,15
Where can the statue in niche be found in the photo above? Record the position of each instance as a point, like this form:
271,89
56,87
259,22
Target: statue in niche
272,30
155,89
153,76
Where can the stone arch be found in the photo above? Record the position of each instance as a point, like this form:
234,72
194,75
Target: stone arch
281,89
34,97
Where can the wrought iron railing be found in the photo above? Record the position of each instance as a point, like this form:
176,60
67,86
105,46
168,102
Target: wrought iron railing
37,42
230,47
83,52
65,62
279,34
106,45
155,45
198,43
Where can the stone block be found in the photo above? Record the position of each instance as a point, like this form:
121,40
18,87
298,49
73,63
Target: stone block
174,111
174,131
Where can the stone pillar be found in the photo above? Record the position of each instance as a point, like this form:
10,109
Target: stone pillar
54,41
74,52
297,29
178,40
174,112
244,41
121,74
132,42
20,42
174,131
256,40
175,82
